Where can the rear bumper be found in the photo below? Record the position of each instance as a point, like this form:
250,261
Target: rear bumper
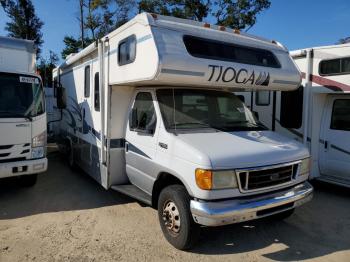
20,168
232,211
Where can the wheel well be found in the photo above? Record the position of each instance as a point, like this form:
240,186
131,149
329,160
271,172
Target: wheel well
163,180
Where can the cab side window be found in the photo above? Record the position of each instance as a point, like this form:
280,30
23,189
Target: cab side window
143,116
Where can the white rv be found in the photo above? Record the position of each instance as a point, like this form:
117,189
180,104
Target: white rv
318,113
150,112
22,112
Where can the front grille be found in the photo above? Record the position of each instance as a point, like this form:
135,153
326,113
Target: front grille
12,160
251,180
5,147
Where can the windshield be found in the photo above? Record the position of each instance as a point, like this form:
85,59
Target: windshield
205,109
20,96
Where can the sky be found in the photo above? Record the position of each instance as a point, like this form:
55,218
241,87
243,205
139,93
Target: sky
295,23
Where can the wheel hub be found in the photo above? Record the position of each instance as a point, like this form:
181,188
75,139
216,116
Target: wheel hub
171,217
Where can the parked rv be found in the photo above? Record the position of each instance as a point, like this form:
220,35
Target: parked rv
317,113
149,111
22,112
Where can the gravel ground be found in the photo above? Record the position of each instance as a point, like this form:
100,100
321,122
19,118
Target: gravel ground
67,216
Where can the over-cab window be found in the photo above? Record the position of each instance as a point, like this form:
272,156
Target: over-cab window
216,50
87,82
341,115
127,50
262,98
291,115
335,66
143,115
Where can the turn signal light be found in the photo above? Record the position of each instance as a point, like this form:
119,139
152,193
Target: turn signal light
204,179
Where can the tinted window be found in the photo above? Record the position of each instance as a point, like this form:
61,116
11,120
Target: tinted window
292,108
211,49
97,91
335,66
262,98
87,82
127,50
143,116
341,115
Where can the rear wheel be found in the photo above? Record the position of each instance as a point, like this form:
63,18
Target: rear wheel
28,180
70,157
175,217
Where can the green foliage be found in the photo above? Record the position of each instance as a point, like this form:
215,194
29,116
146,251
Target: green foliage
24,23
238,14
73,45
45,67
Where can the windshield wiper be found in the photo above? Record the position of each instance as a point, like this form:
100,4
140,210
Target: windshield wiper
16,115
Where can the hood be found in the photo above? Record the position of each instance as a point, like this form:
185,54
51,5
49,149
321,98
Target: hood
15,132
244,149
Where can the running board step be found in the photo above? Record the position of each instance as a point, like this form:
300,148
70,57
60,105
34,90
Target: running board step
134,192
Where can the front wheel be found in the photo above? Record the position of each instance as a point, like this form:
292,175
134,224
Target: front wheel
175,217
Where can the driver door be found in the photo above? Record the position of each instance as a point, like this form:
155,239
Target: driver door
141,141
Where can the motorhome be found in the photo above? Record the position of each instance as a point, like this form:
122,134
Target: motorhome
22,112
317,113
148,111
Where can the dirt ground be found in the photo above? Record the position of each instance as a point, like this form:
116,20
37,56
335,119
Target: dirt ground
68,217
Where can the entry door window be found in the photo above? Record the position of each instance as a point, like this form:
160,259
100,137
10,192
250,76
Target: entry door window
143,116
341,115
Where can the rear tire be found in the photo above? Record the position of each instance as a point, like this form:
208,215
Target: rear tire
28,180
175,217
70,157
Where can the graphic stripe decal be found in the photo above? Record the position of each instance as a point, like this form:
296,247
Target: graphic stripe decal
328,83
285,82
340,149
117,143
181,72
144,38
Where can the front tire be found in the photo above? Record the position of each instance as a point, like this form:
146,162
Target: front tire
175,217
28,180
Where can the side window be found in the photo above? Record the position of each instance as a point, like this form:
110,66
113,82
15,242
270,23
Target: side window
127,50
335,66
97,91
87,82
143,116
262,98
292,108
341,115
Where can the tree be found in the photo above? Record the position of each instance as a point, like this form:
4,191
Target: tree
45,67
238,14
24,23
344,40
195,9
73,45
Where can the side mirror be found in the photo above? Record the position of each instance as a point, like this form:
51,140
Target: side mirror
61,97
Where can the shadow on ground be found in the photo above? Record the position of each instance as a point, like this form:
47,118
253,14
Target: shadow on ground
59,189
319,228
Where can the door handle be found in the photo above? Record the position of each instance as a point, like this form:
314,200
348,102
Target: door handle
326,144
126,146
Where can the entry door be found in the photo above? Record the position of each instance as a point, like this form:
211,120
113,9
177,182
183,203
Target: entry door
335,138
141,142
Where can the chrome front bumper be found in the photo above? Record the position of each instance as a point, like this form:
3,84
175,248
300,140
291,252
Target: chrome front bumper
232,211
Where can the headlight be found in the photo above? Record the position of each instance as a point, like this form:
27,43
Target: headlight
207,179
305,166
38,152
39,140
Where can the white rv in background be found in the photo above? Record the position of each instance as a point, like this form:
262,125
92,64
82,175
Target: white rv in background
22,112
149,111
318,113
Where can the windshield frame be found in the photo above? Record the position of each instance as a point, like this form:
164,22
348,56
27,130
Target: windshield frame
28,112
255,125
